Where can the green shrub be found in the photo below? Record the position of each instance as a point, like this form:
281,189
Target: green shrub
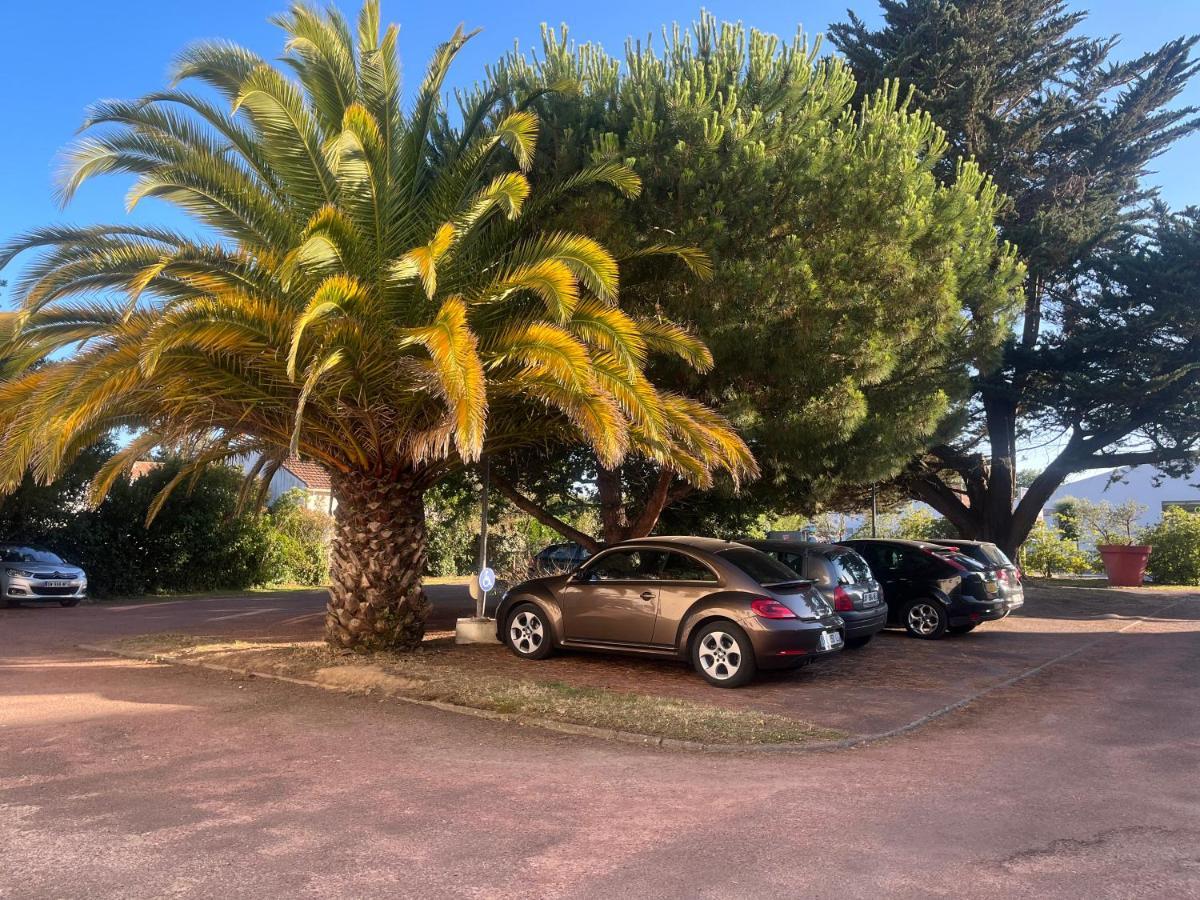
196,543
1104,524
1048,553
452,527
1175,558
299,537
1066,518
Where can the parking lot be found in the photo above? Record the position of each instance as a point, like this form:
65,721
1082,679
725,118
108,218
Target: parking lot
134,779
890,684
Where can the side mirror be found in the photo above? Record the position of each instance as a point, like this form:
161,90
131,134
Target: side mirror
582,576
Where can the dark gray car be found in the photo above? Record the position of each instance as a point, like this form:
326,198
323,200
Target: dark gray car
29,574
844,580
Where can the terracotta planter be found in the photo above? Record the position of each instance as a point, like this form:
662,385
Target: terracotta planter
1125,566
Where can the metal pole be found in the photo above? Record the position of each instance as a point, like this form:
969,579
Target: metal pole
481,603
874,511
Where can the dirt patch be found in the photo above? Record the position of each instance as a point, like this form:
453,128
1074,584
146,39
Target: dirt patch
440,671
365,678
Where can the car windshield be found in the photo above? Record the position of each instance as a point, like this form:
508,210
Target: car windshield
12,554
852,568
766,570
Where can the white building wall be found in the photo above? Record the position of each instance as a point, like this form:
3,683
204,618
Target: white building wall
1135,484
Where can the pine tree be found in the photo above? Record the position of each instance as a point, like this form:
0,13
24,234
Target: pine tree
1068,135
841,265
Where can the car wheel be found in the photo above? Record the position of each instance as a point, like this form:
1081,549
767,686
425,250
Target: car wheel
926,619
71,601
723,655
962,629
527,632
855,643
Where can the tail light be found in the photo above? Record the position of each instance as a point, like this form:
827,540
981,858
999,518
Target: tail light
766,608
842,602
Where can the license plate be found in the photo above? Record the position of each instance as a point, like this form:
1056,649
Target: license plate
56,584
831,640
870,598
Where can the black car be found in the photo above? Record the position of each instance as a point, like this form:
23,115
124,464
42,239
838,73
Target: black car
844,580
993,559
931,589
557,559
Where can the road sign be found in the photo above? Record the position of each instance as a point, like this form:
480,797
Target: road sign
487,579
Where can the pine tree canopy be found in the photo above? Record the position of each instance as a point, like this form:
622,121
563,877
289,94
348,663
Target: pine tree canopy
854,288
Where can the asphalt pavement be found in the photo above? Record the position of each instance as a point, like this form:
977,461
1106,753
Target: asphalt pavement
129,779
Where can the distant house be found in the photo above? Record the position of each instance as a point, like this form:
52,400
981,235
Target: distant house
1137,484
308,477
142,467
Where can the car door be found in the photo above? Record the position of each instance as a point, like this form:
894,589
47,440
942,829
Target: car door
614,598
887,566
684,580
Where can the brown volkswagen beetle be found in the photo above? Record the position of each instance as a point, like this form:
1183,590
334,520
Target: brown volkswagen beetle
728,608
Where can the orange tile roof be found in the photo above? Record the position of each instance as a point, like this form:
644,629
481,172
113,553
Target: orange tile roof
142,467
313,475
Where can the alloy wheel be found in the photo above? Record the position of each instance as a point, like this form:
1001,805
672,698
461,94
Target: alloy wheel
526,632
720,655
923,618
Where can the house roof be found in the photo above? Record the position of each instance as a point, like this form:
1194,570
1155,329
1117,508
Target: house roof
142,467
313,475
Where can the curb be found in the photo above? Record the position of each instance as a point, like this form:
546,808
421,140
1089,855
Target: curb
646,740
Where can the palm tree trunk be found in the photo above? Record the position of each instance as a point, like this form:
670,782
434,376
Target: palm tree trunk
375,599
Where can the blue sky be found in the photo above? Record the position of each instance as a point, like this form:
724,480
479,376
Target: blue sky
57,57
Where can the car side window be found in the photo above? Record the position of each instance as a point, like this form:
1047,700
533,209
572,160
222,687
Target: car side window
562,554
626,565
882,560
796,562
678,567
919,565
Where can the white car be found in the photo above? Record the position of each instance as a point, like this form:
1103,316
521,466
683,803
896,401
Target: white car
34,574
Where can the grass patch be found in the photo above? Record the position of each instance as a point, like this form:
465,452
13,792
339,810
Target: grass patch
447,674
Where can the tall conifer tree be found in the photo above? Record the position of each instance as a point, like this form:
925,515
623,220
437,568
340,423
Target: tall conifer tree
1068,134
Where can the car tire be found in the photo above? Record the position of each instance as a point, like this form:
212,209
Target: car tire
856,643
962,629
527,632
72,601
723,655
926,618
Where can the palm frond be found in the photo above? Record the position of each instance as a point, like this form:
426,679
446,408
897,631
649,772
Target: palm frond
375,291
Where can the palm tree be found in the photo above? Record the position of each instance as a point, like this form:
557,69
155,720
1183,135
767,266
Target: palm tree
370,290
